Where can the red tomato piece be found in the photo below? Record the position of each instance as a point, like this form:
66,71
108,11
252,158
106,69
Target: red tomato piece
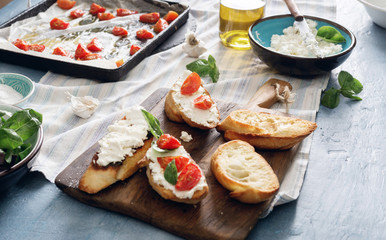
144,34
60,51
171,16
125,12
95,9
105,16
180,161
91,56
77,13
65,4
188,178
58,24
119,63
161,25
119,31
191,84
133,49
37,47
203,102
21,44
149,17
95,45
167,141
81,52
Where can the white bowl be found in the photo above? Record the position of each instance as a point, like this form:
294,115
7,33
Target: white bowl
377,11
20,84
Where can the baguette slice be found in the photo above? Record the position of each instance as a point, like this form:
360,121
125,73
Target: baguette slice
98,177
238,168
180,108
265,130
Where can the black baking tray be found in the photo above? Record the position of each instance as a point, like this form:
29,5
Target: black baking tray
77,70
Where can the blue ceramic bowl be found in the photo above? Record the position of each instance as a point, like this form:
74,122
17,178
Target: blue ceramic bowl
20,83
10,176
260,34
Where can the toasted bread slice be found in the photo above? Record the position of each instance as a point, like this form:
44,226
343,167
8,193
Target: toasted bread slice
265,130
245,173
98,177
180,108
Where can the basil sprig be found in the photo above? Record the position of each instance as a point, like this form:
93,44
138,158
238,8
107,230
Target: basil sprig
349,86
170,173
154,124
205,67
330,34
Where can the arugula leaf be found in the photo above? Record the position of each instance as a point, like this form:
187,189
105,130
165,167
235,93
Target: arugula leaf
154,124
170,173
330,34
205,67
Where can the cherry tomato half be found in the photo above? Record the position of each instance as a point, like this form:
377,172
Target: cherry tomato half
95,45
60,51
95,9
133,49
81,52
188,178
125,12
167,141
119,31
161,25
105,16
171,16
149,17
77,13
180,161
37,47
203,102
21,44
58,24
119,63
143,34
65,4
191,84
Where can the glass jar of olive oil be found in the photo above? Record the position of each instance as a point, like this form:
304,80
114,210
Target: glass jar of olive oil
236,16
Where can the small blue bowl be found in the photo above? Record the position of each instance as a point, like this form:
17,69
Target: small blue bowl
20,83
260,34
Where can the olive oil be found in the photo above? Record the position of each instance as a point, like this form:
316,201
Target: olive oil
236,16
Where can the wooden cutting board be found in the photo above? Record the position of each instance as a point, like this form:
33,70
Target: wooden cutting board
216,217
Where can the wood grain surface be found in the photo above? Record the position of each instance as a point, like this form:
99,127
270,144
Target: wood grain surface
216,217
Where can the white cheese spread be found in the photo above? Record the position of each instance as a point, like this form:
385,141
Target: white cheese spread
186,137
83,107
158,172
123,137
193,46
199,116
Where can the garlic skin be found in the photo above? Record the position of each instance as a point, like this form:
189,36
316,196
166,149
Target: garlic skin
83,107
193,46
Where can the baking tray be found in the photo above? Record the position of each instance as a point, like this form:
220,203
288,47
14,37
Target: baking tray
86,71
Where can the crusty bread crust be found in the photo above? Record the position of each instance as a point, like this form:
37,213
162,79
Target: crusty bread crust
238,168
265,130
174,112
97,178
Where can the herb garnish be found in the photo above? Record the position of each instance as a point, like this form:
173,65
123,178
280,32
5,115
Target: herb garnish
205,67
154,124
170,173
349,86
330,34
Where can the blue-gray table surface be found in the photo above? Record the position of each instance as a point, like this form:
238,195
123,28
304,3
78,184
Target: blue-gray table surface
344,191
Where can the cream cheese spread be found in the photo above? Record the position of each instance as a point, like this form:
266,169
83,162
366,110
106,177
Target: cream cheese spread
123,137
199,116
186,137
158,172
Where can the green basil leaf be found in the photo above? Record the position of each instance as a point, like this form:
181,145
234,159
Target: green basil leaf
158,149
350,94
25,150
330,34
200,66
154,124
331,98
36,115
348,82
214,74
170,173
9,139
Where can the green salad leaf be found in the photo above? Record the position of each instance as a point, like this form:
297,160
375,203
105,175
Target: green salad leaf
330,34
205,67
154,124
349,86
170,173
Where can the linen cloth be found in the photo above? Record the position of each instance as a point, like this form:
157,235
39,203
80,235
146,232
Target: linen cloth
66,136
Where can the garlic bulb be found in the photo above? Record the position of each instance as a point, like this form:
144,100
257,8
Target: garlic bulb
83,107
193,46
